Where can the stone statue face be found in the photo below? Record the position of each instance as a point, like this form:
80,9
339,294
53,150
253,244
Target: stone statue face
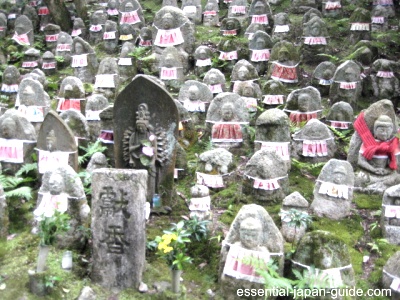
8,128
129,7
303,102
383,132
250,233
349,75
396,202
9,77
56,184
194,93
243,73
227,112
260,44
315,29
259,8
167,21
248,91
29,95
79,49
112,4
339,177
141,128
213,79
283,56
202,54
230,25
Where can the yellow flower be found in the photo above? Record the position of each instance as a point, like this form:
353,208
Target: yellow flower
161,246
174,237
168,249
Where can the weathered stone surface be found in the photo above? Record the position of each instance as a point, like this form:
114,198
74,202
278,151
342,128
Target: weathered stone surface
390,221
322,77
3,215
328,253
64,142
252,229
161,119
31,93
64,183
87,294
217,160
340,115
333,191
215,80
88,69
24,34
390,270
266,177
313,143
293,201
118,225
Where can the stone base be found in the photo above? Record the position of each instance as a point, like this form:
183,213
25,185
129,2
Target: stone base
392,234
334,210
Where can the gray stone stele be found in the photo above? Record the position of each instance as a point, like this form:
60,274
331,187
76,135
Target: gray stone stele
390,231
118,226
391,267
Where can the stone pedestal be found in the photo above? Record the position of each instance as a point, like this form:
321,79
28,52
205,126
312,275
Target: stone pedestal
118,226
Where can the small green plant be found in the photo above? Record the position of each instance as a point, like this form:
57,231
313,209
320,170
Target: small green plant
14,188
313,169
343,136
297,219
91,149
139,52
59,59
50,281
172,246
375,245
197,228
50,227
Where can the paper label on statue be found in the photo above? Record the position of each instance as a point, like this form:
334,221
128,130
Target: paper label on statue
66,104
333,276
12,16
332,5
310,40
49,65
50,203
12,88
112,12
203,62
168,73
190,9
395,284
228,55
340,125
126,37
145,43
125,61
43,11
229,32
76,32
176,170
202,204
325,81
63,48
33,3
21,39
348,85
32,113
273,99
281,28
282,149
334,190
48,160
266,184
170,37
104,81
298,117
260,55
212,181
130,17
235,267
11,150
227,133
315,148
96,28
106,136
51,38
392,211
79,61
194,106
216,88
210,13
238,10
284,73
110,35
2,28
259,19
378,20
29,64
93,115
385,74
251,103
359,27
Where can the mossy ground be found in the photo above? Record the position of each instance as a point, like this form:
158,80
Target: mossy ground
18,255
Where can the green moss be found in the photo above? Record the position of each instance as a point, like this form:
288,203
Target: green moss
364,201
